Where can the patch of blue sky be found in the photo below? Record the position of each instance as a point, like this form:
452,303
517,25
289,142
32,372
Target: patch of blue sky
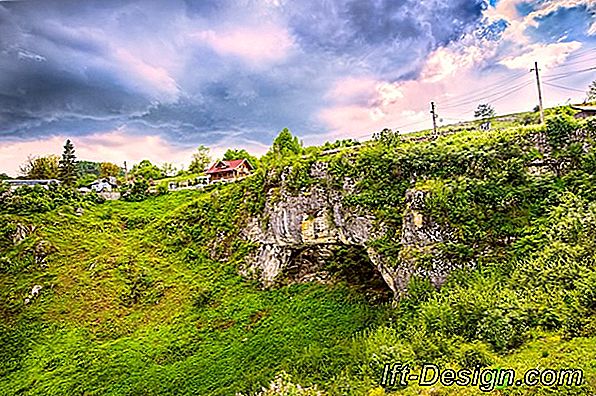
526,7
493,31
565,24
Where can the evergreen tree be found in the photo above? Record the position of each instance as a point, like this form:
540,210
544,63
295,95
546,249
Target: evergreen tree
67,167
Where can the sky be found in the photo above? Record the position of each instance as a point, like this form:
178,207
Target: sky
133,80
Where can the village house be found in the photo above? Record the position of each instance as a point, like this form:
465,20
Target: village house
584,111
104,185
223,171
16,183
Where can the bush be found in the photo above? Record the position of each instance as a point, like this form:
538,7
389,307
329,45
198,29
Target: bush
559,129
37,199
138,191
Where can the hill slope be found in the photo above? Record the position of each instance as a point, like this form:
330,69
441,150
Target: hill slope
147,298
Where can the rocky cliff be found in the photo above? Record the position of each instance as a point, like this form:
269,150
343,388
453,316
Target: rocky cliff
297,234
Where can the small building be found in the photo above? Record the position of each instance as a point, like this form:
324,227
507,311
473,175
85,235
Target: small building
223,171
584,111
104,185
16,183
202,181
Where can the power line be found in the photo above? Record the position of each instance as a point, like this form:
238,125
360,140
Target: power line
497,99
514,90
485,90
569,73
410,124
574,63
575,58
481,95
476,99
579,54
563,87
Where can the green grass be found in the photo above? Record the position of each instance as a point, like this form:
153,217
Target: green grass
145,298
121,312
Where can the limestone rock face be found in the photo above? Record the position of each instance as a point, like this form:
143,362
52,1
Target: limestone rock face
297,231
421,240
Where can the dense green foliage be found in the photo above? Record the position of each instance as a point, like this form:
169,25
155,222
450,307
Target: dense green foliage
40,167
135,191
107,169
235,154
146,170
146,297
285,144
36,199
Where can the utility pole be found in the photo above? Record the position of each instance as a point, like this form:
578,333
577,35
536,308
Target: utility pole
434,114
539,92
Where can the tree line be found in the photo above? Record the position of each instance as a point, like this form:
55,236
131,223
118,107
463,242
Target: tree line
73,172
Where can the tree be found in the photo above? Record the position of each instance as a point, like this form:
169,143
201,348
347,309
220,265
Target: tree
87,169
387,137
40,167
146,170
341,143
67,167
484,111
107,169
4,176
286,144
591,93
235,154
168,169
200,160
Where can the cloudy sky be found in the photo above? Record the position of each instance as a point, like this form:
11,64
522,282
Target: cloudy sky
127,80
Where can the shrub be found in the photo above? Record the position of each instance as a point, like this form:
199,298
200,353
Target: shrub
138,191
37,199
559,129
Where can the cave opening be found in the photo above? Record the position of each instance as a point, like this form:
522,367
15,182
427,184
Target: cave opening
333,263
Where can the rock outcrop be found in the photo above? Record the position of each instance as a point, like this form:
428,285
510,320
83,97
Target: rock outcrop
297,232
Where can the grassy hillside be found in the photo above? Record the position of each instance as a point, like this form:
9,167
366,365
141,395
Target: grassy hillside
145,298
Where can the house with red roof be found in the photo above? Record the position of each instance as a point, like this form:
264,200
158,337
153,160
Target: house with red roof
229,170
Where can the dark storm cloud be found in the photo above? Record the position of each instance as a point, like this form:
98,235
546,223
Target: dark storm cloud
81,67
383,35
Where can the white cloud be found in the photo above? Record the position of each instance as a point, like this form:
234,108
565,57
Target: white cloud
507,10
352,89
252,44
548,55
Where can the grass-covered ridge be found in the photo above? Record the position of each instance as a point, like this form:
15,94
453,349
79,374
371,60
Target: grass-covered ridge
143,298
